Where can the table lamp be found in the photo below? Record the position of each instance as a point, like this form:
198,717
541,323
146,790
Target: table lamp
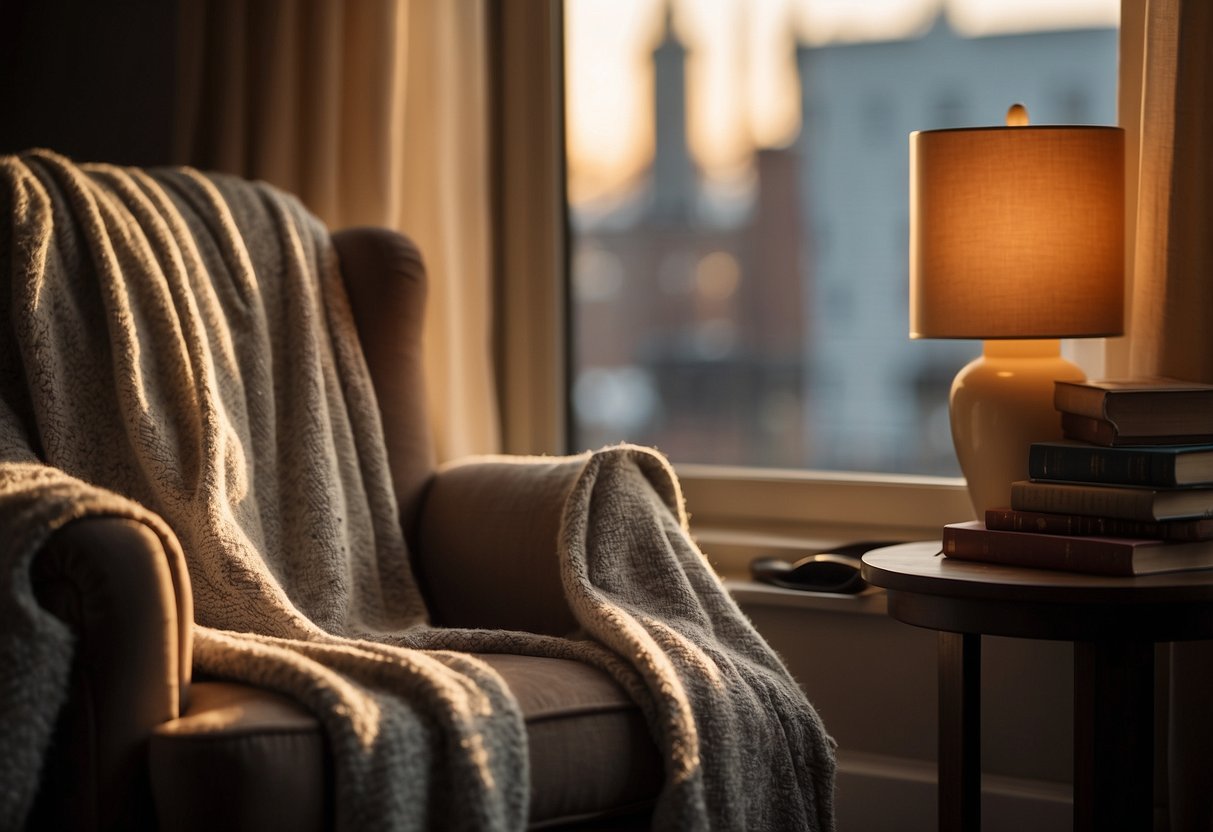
1016,238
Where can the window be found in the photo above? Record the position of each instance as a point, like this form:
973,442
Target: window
737,186
738,511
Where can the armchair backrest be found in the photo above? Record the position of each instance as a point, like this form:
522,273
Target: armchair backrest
385,278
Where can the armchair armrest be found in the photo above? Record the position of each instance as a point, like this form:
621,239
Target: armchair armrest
127,601
488,536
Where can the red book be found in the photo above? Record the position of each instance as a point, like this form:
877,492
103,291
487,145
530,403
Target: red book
1114,556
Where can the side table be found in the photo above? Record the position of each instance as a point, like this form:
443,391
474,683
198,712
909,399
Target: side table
1114,624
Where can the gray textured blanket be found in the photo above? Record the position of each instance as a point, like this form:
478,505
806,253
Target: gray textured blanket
178,348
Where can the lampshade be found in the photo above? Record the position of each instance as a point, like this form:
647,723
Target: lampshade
1017,232
1016,238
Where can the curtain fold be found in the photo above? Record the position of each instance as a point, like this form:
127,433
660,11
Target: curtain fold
1172,323
373,113
1171,330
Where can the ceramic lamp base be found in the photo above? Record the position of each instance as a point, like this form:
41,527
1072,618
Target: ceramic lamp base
1001,403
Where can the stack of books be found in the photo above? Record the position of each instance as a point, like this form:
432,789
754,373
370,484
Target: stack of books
1128,492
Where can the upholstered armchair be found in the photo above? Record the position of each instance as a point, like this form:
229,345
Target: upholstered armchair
142,744
237,593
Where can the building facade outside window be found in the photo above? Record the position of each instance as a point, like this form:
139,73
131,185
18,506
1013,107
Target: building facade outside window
739,270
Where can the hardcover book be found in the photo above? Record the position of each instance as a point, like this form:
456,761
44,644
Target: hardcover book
1167,466
1103,432
1140,406
1125,502
1040,522
1114,556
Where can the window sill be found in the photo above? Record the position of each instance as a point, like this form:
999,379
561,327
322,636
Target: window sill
740,514
871,601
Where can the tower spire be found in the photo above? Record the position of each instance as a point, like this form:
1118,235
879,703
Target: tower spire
674,180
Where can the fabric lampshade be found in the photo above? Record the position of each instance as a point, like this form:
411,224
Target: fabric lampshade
1017,232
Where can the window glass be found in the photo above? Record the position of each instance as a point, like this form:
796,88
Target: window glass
738,201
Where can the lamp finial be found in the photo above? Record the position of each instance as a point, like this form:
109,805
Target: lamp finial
1017,115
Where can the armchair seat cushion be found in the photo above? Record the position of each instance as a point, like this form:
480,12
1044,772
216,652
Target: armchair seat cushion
239,751
240,758
589,749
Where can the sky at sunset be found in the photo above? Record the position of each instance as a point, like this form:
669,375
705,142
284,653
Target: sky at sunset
741,78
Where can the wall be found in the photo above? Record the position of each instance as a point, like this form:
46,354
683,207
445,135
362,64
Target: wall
92,80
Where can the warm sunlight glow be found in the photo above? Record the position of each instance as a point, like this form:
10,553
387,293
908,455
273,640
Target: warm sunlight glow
742,92
829,21
610,127
987,17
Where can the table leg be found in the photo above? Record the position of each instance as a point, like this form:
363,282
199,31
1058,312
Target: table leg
1113,735
959,731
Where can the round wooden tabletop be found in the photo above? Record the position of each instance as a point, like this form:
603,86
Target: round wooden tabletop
930,590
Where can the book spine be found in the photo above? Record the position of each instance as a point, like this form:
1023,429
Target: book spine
1079,400
1077,463
1104,432
1088,429
1034,551
1039,522
1098,501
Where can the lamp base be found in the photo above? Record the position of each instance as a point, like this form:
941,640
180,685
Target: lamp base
1000,404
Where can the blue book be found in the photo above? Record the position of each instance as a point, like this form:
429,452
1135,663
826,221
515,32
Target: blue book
1162,466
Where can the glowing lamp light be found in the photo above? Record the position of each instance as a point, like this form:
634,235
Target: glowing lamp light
1016,238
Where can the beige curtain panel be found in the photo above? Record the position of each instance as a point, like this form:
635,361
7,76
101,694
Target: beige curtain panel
1171,331
1172,323
373,113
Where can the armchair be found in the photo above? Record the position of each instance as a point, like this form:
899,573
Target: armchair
236,592
143,745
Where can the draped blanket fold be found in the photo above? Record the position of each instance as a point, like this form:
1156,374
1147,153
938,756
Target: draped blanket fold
177,348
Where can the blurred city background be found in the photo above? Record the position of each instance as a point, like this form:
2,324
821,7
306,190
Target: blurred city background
738,200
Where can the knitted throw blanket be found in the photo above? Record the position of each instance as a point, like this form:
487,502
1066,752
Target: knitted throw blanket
178,348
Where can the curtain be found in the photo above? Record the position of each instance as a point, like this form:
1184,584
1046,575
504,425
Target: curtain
373,113
1171,331
1172,319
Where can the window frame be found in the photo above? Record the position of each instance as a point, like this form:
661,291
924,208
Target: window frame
736,512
